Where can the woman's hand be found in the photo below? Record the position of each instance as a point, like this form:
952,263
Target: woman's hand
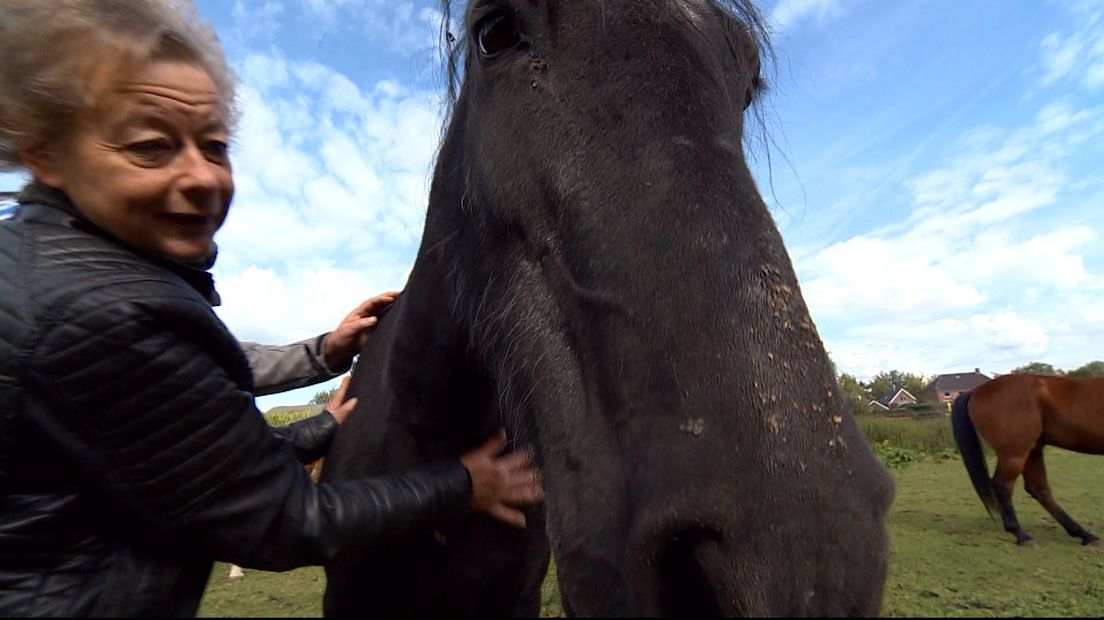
499,483
338,406
351,334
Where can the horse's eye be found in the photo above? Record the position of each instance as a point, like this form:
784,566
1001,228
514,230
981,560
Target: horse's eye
495,34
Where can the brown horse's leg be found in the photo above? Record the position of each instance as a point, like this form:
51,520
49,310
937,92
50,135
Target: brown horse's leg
1004,483
1035,483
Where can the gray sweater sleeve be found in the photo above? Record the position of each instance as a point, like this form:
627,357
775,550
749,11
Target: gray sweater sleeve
279,368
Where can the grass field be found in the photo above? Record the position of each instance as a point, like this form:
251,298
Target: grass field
948,558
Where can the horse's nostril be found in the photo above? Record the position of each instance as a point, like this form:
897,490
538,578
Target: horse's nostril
691,569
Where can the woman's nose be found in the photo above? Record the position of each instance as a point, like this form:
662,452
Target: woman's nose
199,174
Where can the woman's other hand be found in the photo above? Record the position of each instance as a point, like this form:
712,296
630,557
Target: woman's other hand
338,406
501,483
351,334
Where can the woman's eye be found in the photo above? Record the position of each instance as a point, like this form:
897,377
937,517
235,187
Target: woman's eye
154,152
495,34
216,151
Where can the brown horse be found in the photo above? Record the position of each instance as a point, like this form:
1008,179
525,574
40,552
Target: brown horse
1018,415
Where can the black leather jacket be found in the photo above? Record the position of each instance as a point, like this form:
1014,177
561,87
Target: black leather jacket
131,452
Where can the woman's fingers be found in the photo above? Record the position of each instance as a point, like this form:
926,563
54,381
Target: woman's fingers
375,304
515,461
338,405
509,516
342,388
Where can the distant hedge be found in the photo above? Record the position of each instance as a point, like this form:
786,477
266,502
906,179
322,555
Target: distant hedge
287,416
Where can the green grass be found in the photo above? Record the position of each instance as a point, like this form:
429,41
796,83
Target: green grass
948,558
260,594
298,593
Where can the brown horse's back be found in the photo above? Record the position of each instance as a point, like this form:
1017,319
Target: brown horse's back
1074,413
1006,412
1016,413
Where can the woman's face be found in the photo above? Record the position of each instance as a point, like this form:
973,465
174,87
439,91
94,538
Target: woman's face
149,162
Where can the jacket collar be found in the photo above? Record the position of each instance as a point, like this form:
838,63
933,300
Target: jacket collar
195,274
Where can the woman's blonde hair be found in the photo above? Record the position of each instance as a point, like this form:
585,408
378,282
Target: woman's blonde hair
53,54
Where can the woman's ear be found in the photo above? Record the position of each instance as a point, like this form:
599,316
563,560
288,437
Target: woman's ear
42,163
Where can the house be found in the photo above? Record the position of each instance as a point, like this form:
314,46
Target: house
894,400
945,388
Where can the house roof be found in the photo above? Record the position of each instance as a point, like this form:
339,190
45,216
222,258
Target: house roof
958,381
889,397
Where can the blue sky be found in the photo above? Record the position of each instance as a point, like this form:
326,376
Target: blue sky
935,171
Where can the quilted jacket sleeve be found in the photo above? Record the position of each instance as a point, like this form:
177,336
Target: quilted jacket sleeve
310,438
136,401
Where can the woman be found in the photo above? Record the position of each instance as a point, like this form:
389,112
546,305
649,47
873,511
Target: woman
131,452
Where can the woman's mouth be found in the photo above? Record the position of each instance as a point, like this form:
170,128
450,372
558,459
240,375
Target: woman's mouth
189,220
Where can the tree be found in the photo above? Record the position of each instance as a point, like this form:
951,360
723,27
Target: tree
1036,368
856,396
916,384
887,383
1092,369
323,397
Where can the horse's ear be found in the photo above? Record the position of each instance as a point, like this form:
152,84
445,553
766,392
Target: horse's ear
754,86
750,62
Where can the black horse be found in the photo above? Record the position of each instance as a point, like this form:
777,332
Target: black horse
599,273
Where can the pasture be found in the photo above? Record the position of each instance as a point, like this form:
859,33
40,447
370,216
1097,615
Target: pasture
948,557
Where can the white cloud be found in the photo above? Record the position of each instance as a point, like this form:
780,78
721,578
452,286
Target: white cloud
254,19
332,185
970,278
263,305
1007,331
1059,56
1078,55
396,24
328,10
1059,116
335,163
786,13
992,341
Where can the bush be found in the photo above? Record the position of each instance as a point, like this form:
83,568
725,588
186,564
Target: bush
895,457
902,439
924,408
323,397
924,434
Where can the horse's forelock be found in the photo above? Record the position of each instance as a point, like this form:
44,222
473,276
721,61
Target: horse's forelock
758,140
453,47
454,44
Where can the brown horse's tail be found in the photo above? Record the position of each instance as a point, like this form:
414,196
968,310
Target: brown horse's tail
969,446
